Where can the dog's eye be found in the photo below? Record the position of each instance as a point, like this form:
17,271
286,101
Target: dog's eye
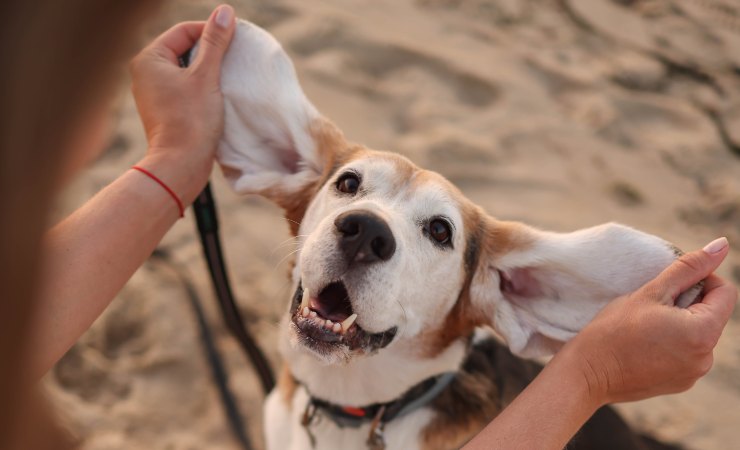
439,230
348,183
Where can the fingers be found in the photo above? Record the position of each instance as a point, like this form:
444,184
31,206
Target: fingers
177,40
712,282
214,35
686,271
719,301
215,41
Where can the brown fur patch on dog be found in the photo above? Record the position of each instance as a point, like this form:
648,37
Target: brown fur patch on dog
463,318
487,240
505,237
294,204
488,380
333,151
405,169
287,385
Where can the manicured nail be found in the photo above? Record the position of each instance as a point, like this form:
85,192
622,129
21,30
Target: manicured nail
716,246
224,16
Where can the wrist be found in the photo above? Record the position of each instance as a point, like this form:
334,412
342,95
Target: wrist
552,408
186,178
172,194
587,383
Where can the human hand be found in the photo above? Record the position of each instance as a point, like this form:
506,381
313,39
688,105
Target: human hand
641,345
182,108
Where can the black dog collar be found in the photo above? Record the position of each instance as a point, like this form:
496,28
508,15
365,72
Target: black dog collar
377,414
416,397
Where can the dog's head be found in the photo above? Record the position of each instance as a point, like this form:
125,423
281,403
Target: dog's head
393,253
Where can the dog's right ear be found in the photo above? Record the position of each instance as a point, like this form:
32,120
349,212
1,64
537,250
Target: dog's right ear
275,142
538,288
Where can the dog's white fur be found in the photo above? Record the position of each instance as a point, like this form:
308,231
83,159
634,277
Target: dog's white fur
560,280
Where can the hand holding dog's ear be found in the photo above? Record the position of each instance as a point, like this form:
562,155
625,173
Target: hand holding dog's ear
641,345
182,109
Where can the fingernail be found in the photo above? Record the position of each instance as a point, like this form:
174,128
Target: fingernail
716,246
224,16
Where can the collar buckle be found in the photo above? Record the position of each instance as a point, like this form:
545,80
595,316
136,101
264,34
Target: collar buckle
376,437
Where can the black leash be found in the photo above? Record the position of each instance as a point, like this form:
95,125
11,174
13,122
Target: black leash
207,220
204,208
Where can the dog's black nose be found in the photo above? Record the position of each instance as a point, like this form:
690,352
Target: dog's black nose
364,237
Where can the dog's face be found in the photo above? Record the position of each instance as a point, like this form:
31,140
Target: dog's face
391,253
381,259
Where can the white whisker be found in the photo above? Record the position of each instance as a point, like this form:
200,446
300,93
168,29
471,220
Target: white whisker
284,258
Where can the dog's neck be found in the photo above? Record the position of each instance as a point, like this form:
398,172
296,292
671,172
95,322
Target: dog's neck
378,378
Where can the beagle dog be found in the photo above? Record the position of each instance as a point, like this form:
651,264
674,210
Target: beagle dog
399,280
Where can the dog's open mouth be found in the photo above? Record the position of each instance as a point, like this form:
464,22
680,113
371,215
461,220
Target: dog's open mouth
326,321
330,310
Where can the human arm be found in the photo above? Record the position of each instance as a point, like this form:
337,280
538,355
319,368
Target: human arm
639,346
90,255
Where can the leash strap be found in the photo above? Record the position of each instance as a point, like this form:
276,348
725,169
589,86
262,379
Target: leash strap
207,220
204,208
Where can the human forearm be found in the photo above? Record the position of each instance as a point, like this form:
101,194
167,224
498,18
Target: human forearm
547,413
91,254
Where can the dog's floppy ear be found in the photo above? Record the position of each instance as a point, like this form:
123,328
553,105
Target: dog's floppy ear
272,133
538,289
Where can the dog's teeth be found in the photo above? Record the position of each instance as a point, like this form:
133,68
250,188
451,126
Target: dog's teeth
313,315
337,327
348,322
305,299
305,311
328,324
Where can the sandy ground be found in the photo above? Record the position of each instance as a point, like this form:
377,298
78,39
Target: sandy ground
563,114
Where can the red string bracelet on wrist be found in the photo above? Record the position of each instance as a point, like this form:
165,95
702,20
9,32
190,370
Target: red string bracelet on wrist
166,188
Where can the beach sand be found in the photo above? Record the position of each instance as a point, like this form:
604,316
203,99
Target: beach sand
562,114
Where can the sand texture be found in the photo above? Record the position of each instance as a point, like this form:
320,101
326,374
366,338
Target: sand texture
562,114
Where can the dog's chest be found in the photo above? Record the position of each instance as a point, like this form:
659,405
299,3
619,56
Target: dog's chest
448,420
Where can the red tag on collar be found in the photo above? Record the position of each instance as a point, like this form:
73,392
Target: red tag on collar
357,412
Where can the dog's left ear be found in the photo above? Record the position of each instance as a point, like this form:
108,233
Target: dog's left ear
538,289
274,141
